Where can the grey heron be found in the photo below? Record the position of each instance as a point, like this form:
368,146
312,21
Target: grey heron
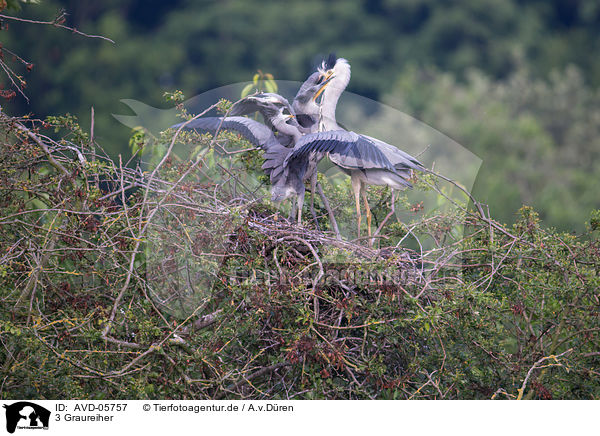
303,106
277,113
356,157
367,160
307,112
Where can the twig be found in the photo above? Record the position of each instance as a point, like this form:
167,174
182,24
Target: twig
56,23
259,373
39,142
537,365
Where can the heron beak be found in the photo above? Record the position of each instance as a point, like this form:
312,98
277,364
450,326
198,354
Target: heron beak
290,116
326,82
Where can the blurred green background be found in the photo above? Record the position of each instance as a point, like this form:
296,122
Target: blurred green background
515,82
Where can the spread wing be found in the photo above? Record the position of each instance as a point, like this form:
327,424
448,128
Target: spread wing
346,149
400,159
255,132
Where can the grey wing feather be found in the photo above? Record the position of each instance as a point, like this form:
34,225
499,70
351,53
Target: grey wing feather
274,158
255,132
250,105
397,157
347,149
244,107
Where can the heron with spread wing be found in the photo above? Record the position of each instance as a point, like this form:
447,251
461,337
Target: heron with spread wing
368,161
278,117
276,112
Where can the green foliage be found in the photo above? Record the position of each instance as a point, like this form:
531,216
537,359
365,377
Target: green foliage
261,82
137,141
70,123
224,105
15,5
174,97
595,220
538,139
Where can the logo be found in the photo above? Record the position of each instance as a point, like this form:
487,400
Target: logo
26,415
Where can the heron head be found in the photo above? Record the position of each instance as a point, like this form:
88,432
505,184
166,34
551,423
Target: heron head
284,115
272,106
268,98
324,78
285,122
333,74
268,101
304,104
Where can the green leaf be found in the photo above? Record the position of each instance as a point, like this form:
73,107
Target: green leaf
271,86
247,89
595,220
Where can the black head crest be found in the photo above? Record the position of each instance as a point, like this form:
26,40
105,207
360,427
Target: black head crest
329,63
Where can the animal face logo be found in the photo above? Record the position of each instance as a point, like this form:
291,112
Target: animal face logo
26,415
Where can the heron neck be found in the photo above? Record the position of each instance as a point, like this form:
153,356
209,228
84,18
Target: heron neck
293,131
286,126
296,135
328,106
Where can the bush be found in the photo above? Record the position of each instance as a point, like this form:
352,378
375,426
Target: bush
176,282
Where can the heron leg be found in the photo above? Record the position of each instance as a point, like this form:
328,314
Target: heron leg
356,187
334,225
389,215
368,209
292,214
313,186
300,205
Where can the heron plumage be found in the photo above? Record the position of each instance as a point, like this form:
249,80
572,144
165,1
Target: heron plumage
256,133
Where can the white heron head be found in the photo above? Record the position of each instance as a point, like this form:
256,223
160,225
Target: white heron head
334,76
